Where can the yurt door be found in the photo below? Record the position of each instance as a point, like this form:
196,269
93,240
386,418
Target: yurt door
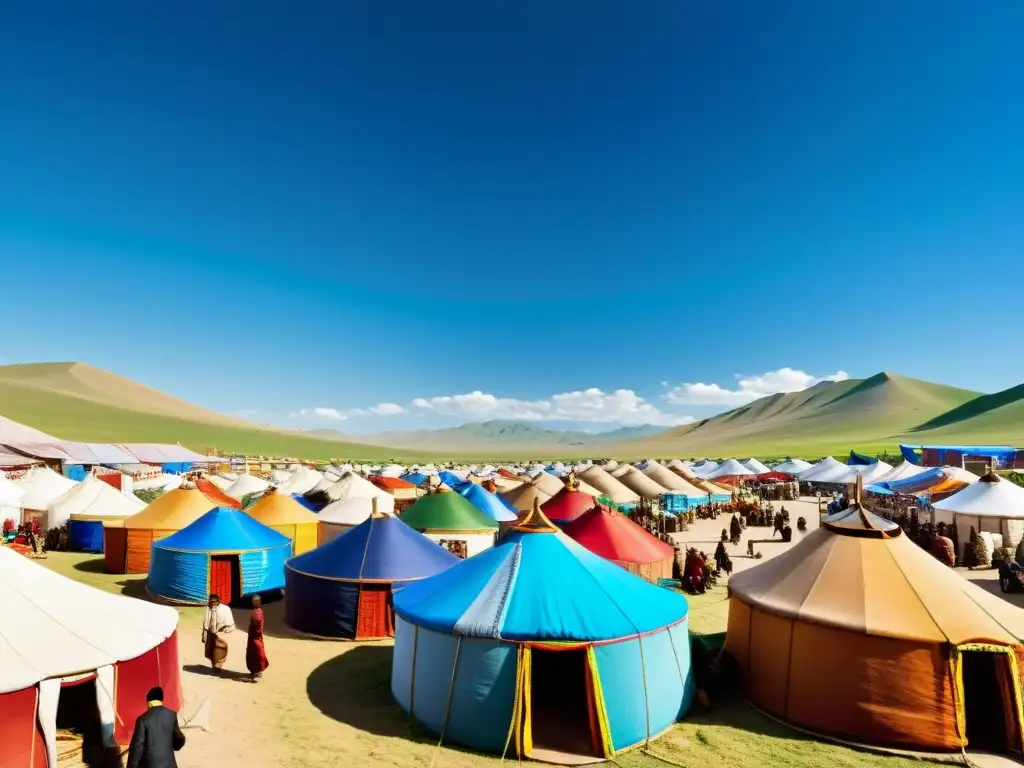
560,704
222,577
988,701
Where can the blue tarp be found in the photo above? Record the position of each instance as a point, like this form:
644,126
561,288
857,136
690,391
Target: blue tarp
416,478
176,467
539,586
303,501
450,479
859,460
74,472
378,549
909,454
1001,455
85,535
223,529
490,504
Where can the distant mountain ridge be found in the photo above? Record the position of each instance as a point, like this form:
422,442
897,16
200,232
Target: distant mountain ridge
500,433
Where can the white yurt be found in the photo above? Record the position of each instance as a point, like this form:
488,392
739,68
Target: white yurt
300,480
42,487
826,465
61,638
792,466
246,484
339,516
755,466
728,468
11,496
86,507
990,505
901,472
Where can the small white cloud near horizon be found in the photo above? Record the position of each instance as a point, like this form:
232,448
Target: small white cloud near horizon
334,414
330,414
622,406
749,388
387,409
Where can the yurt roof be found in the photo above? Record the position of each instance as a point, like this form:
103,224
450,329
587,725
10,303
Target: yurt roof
353,510
13,432
42,487
879,586
620,470
537,584
163,482
222,482
223,529
567,505
614,536
640,483
755,466
446,511
93,498
792,466
172,511
490,504
300,480
246,484
870,473
901,472
381,548
728,468
280,509
691,486
391,484
828,463
352,484
55,626
416,478
522,497
664,477
609,486
991,496
548,483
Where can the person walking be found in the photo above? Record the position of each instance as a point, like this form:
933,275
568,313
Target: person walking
156,736
218,621
255,653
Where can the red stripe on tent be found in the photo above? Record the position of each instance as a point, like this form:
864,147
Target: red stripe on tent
216,495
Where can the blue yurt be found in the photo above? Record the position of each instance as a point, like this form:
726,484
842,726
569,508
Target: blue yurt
343,588
540,648
491,504
225,552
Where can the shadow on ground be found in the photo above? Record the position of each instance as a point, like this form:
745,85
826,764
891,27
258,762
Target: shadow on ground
355,688
95,565
207,671
134,588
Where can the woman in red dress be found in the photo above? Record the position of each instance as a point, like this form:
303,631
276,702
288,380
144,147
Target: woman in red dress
255,653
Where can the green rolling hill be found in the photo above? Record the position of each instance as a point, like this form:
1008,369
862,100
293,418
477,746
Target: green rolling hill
995,418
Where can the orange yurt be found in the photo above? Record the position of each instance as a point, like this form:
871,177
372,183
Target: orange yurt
286,516
858,633
615,537
126,543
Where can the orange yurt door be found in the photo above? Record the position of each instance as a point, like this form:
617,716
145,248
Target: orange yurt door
221,571
373,618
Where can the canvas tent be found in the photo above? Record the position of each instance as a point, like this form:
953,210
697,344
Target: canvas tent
664,477
42,487
549,484
755,466
225,552
792,466
540,648
339,516
992,504
858,633
289,518
615,537
86,507
447,517
522,497
902,472
246,485
609,486
343,589
640,484
567,505
491,504
11,496
127,544
59,634
728,468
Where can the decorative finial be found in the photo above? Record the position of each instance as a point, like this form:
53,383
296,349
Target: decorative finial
571,482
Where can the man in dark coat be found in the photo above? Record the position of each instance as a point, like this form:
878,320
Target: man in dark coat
157,735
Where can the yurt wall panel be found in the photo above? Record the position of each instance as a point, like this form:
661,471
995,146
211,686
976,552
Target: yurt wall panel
263,569
160,666
403,663
114,549
484,694
180,576
432,674
23,744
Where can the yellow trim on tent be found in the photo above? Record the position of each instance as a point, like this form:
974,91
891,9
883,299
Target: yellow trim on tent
602,711
958,677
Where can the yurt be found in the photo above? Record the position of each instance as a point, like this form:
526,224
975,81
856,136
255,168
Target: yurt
489,655
568,504
87,507
11,497
755,466
42,486
619,470
127,543
664,477
792,466
522,497
299,481
246,485
858,633
339,516
491,504
728,468
343,589
901,472
289,518
62,641
640,483
225,552
404,492
451,520
615,537
991,505
609,486
549,484
352,485
826,466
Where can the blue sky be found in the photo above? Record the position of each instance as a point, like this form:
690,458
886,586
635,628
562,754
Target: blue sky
268,211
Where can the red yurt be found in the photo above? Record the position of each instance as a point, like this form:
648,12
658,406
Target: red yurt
78,658
568,504
615,537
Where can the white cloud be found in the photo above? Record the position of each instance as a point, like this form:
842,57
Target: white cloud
387,409
622,406
749,388
330,414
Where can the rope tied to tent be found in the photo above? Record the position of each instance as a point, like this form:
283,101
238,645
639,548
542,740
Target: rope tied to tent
448,704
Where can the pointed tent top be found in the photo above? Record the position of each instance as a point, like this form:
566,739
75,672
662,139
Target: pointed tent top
857,520
535,521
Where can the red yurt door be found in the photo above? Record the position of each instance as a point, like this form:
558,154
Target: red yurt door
222,569
374,618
